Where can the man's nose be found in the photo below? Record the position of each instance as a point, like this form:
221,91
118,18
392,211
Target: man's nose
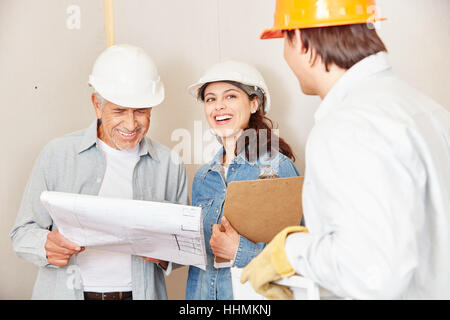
130,122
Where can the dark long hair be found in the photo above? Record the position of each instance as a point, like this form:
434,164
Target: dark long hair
259,132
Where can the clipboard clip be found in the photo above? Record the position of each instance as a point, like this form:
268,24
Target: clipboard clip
268,173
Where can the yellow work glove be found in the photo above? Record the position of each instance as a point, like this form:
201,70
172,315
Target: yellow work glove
270,265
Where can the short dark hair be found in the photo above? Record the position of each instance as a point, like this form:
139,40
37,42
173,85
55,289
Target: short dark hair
342,45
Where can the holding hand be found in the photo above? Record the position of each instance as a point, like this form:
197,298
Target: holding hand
59,249
224,240
270,265
162,263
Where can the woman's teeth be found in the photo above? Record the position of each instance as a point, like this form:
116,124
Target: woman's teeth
221,118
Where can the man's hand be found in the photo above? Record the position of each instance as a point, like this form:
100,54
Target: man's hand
59,249
162,263
224,240
270,265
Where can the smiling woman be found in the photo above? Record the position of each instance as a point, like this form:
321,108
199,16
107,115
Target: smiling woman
227,108
235,110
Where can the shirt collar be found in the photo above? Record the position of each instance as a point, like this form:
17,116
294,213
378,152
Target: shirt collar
362,70
217,160
90,139
147,149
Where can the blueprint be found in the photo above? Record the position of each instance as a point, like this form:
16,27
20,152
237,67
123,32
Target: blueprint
159,230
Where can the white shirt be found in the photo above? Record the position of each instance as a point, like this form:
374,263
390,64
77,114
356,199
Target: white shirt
376,195
107,271
225,172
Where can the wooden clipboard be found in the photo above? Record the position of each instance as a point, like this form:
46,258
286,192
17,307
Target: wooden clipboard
259,209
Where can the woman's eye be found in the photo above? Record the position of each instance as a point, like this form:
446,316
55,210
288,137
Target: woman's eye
231,96
209,99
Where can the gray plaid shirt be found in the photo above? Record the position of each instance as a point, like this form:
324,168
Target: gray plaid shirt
73,163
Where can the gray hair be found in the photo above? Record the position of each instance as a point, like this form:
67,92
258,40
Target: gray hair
101,101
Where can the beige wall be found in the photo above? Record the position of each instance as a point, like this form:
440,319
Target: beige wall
44,67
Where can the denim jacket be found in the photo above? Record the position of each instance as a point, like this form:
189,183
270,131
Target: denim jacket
208,191
74,164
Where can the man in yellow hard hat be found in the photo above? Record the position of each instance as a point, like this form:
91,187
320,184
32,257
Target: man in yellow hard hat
376,196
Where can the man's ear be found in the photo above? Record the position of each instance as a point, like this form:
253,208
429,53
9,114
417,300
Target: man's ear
296,42
310,52
299,42
96,105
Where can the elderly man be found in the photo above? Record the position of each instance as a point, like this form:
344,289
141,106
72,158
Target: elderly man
112,158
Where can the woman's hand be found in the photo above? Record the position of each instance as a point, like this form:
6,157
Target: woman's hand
224,243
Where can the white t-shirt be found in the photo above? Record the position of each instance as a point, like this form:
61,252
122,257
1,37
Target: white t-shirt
107,271
225,171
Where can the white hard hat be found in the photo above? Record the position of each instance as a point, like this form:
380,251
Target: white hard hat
232,70
128,77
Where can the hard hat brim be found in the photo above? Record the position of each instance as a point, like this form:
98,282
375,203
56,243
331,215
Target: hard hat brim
272,34
148,100
231,70
194,88
276,33
142,102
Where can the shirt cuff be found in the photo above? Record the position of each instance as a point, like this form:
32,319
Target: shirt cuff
31,247
226,264
296,246
246,251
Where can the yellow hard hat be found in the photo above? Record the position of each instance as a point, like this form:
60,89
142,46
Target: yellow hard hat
299,14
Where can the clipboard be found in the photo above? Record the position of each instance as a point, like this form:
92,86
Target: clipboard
259,209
